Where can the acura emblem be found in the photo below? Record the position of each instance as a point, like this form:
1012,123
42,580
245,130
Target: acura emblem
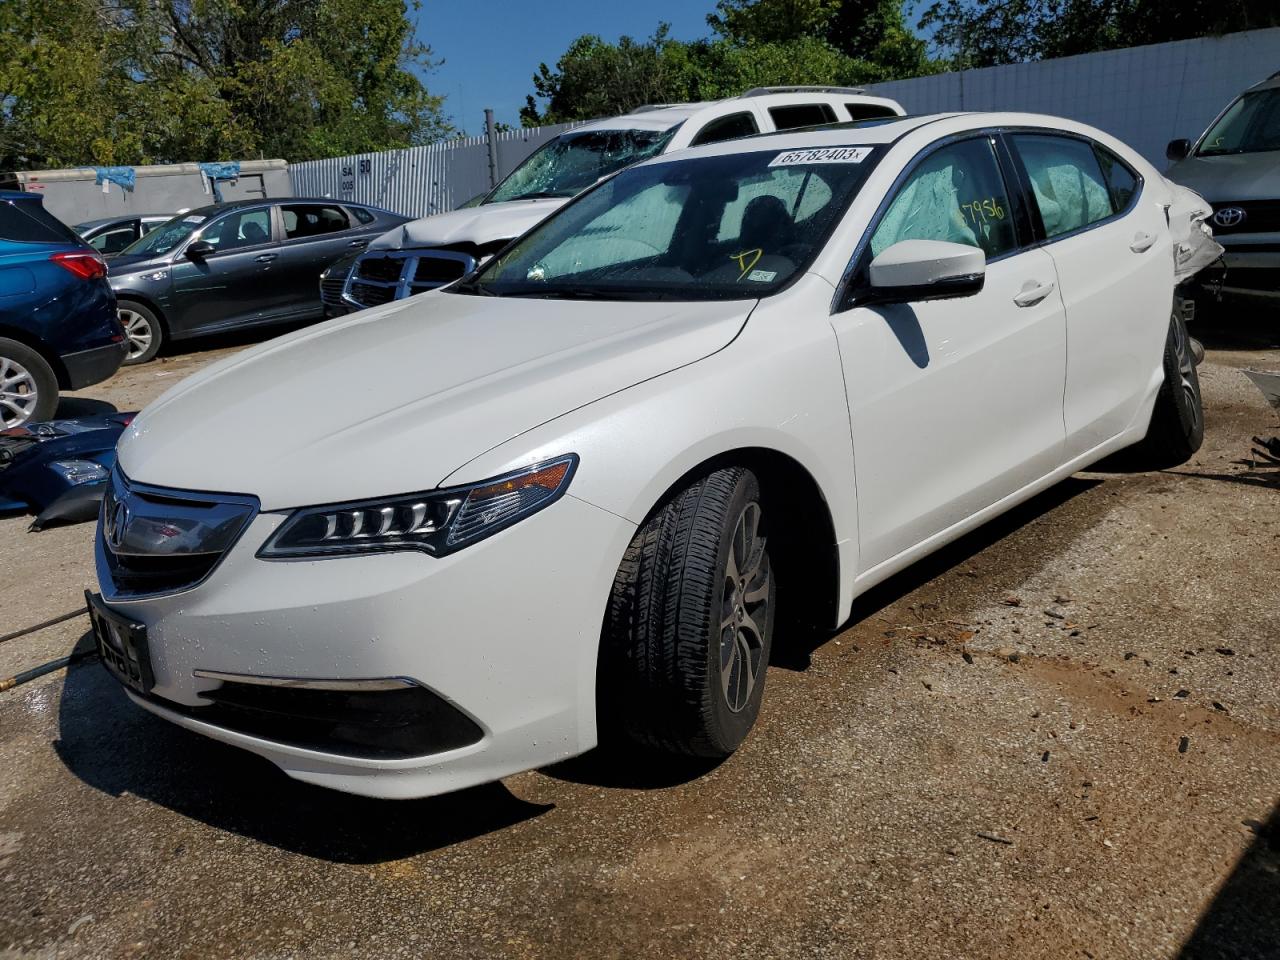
1229,217
117,521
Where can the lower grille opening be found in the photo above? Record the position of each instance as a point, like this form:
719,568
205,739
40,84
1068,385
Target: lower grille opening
376,724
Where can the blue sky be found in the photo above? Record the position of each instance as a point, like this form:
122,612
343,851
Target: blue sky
492,49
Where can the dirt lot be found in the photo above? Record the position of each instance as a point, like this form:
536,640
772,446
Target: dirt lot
1058,738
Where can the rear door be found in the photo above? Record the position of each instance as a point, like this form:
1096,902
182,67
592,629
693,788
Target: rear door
314,235
956,403
229,287
116,237
1110,242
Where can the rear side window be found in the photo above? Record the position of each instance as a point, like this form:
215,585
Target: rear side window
727,128
1120,177
312,220
27,221
869,111
1066,180
802,115
115,239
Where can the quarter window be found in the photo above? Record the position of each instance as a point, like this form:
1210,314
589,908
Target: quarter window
955,194
726,128
869,111
1121,180
1066,181
802,115
312,220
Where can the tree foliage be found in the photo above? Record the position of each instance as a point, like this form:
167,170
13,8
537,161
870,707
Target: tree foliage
145,81
754,43
981,33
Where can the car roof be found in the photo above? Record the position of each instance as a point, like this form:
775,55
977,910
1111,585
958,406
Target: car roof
857,133
19,195
1271,83
664,116
214,209
121,218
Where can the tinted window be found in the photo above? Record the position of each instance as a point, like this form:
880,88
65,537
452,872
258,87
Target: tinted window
727,128
1250,125
1066,181
363,215
802,115
955,194
26,221
312,220
242,229
868,111
1121,180
115,239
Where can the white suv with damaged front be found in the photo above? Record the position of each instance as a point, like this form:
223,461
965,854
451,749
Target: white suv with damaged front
579,495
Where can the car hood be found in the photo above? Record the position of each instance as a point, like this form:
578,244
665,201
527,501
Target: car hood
395,399
483,224
1237,176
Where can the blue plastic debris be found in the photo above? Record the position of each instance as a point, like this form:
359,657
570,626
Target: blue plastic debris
213,172
124,176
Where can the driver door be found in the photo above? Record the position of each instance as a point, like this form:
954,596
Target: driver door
955,403
229,287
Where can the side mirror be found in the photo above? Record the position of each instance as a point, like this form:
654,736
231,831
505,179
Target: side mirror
200,249
1178,150
915,270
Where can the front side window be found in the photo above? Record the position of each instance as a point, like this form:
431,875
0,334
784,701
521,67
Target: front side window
303,220
241,229
168,235
802,115
955,194
708,228
726,128
574,161
1250,125
1066,181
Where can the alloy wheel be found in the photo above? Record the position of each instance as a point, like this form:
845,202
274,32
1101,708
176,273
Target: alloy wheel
138,332
18,393
1189,382
744,610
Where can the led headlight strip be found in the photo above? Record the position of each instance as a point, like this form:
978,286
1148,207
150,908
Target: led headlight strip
435,522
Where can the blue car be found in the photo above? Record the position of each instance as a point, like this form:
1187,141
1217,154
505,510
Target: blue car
58,323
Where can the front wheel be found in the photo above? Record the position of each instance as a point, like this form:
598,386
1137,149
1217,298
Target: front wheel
690,621
142,331
1177,420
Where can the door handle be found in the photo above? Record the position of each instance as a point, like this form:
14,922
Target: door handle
358,243
1032,293
266,257
1142,242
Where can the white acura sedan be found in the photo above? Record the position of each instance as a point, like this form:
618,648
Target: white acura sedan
576,494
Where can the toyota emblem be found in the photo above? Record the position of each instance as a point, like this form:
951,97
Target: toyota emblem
1229,217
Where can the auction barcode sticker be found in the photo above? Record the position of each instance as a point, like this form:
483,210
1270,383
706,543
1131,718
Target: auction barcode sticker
821,155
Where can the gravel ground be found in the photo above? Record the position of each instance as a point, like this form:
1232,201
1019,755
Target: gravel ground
1060,737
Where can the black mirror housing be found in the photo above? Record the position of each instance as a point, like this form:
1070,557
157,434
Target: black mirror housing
200,249
1178,150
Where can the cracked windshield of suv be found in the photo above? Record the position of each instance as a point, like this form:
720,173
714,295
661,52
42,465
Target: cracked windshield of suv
734,226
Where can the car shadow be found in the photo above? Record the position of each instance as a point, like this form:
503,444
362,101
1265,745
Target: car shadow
628,767
70,407
117,747
797,648
1242,921
239,337
1237,325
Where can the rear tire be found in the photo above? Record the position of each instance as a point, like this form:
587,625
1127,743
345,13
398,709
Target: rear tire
1177,420
690,622
142,330
28,385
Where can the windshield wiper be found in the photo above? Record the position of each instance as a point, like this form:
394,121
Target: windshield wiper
471,287
544,195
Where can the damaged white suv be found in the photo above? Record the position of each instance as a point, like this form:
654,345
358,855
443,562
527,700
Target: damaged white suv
581,493
436,250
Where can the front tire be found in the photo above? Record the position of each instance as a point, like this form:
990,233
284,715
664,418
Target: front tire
690,622
1177,420
28,385
142,330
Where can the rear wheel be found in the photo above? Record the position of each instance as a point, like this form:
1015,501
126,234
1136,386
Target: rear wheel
690,621
142,330
28,385
1177,421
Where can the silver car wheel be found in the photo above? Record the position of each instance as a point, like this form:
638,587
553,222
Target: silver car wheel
137,330
18,393
744,610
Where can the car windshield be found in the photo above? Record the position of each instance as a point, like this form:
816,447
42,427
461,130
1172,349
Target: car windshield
574,161
707,228
1250,125
166,236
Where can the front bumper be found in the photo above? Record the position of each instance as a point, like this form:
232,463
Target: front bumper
505,632
1252,267
88,367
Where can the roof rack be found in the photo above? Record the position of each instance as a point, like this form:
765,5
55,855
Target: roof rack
765,91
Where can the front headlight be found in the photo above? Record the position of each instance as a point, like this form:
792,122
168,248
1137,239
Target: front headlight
435,522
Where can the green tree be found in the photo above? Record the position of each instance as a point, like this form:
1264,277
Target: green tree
980,33
141,81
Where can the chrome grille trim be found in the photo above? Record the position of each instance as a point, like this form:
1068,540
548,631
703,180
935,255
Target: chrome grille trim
363,291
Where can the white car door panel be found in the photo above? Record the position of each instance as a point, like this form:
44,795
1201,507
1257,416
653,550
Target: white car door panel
954,403
1116,279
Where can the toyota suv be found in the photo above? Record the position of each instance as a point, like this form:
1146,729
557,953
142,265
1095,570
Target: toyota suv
1235,165
437,250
